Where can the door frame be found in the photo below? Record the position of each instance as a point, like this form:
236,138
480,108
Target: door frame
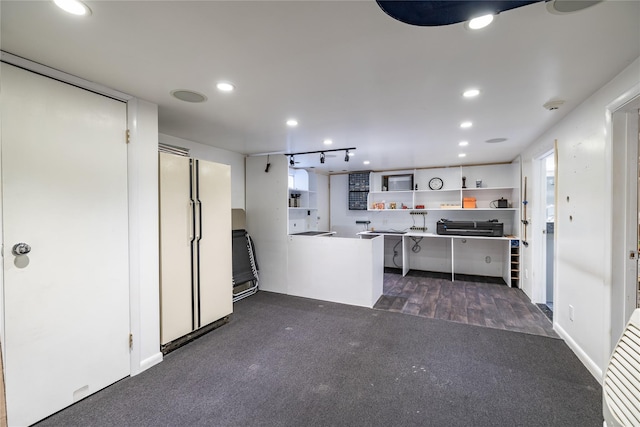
622,219
539,285
143,236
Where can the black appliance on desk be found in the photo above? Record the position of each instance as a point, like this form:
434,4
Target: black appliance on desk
491,228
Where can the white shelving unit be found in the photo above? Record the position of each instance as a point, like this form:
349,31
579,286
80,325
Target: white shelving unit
497,181
490,256
303,201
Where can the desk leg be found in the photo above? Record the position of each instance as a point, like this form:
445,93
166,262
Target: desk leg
406,250
453,263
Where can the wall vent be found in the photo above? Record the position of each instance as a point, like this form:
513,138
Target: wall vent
172,149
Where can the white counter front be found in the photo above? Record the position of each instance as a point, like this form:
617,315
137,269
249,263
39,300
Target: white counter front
337,269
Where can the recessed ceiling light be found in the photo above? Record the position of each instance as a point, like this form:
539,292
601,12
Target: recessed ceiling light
470,93
465,125
328,142
463,143
74,7
225,87
462,155
351,153
495,140
292,123
188,95
366,162
480,22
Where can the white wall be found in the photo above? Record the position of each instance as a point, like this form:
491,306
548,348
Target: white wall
343,221
267,206
142,153
218,155
583,223
322,189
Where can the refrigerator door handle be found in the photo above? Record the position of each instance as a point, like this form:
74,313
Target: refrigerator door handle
190,224
198,217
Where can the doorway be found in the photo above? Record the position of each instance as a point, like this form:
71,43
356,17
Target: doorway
549,195
624,146
543,230
638,209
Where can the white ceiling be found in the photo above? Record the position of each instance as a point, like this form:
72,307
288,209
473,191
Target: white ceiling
344,69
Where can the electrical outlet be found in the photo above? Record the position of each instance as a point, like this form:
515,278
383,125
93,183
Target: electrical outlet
570,312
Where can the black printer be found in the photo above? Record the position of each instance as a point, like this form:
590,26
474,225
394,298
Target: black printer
491,228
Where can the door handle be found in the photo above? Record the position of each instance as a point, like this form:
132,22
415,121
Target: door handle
199,218
20,249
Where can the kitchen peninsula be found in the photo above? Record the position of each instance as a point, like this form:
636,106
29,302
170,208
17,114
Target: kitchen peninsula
336,269
294,259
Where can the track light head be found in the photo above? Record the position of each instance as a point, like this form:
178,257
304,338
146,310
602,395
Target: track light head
323,154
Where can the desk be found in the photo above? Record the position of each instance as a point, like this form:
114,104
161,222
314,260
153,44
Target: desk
407,254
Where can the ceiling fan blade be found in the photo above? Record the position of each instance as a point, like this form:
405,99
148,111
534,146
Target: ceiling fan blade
435,13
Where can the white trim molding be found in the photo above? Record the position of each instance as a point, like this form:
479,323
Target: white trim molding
593,367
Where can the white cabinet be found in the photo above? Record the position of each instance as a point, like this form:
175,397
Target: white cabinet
195,245
298,179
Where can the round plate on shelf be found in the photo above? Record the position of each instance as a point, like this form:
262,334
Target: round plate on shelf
436,183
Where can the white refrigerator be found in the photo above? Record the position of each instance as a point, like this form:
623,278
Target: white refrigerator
195,245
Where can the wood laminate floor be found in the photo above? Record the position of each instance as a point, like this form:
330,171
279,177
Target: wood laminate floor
470,299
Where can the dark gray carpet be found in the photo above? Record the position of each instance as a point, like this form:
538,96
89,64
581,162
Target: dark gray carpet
287,361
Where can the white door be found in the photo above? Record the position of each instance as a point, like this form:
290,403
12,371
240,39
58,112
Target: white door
64,193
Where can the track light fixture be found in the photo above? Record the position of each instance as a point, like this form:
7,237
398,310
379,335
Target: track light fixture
322,153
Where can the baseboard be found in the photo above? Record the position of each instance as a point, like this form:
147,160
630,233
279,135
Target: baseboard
179,342
150,361
586,360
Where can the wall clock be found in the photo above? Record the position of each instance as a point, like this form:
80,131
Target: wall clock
436,183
